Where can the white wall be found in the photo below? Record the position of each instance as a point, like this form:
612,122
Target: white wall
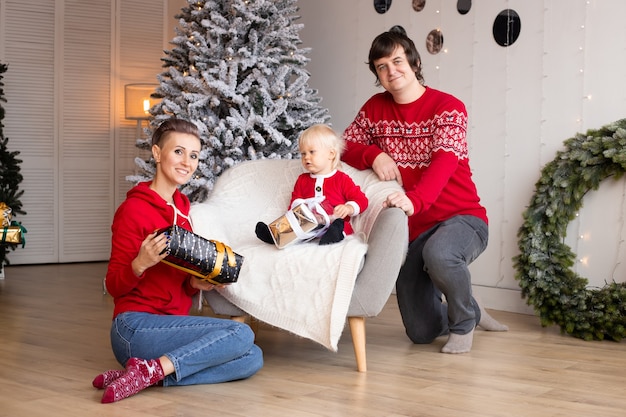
523,102
563,75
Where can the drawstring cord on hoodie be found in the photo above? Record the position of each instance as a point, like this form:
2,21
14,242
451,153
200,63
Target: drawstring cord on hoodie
176,213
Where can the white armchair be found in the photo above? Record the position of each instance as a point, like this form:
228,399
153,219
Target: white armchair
260,191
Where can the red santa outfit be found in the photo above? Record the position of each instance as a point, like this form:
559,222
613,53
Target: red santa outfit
337,187
161,289
427,139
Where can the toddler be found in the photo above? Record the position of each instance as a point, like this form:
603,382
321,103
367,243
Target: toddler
320,151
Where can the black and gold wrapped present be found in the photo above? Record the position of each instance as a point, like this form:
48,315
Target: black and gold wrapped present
297,225
13,234
210,260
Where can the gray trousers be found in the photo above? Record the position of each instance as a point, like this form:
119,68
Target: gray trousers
437,262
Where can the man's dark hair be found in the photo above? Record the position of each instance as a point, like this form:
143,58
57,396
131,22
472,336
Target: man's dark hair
384,45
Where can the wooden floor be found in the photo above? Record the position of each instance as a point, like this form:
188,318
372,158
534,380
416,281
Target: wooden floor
54,324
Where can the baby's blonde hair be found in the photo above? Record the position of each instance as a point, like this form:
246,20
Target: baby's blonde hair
326,137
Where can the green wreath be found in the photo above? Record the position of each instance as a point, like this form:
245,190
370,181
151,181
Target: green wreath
558,294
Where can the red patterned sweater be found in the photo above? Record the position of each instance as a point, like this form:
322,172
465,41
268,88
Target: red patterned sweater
427,139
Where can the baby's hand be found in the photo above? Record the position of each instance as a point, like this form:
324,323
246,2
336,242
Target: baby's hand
342,211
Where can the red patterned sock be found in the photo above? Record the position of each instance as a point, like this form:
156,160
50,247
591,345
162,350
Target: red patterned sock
140,374
105,378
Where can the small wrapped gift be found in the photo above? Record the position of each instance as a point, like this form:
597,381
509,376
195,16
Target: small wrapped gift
297,225
210,260
13,234
5,215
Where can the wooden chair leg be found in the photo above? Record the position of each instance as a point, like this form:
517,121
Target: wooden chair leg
240,319
254,325
357,328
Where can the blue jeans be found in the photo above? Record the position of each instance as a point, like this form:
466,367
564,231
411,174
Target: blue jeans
437,262
204,350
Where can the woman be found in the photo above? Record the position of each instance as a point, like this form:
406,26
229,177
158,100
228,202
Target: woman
152,333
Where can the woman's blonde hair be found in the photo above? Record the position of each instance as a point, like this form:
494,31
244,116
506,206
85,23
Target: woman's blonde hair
326,137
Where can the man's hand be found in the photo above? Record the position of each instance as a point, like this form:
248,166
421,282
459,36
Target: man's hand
386,169
401,201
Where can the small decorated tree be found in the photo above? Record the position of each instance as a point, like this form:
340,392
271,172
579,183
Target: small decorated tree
10,177
236,71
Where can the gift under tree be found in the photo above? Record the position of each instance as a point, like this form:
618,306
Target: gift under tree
237,72
11,232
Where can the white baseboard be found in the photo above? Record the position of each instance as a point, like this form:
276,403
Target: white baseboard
502,299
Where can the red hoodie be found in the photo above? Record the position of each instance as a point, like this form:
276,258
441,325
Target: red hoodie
161,289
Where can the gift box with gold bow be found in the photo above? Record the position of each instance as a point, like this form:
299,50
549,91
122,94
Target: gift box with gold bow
13,234
207,259
5,215
299,224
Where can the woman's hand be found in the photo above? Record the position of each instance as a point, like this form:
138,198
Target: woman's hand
400,200
202,285
151,251
385,167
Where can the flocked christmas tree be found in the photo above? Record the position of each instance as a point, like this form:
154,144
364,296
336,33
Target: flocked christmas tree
237,72
10,176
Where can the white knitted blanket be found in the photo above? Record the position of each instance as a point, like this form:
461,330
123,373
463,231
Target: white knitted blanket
304,288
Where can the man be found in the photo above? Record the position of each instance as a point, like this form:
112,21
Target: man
416,135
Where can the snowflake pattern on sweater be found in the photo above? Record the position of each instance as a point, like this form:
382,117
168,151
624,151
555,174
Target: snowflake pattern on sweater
412,144
427,140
